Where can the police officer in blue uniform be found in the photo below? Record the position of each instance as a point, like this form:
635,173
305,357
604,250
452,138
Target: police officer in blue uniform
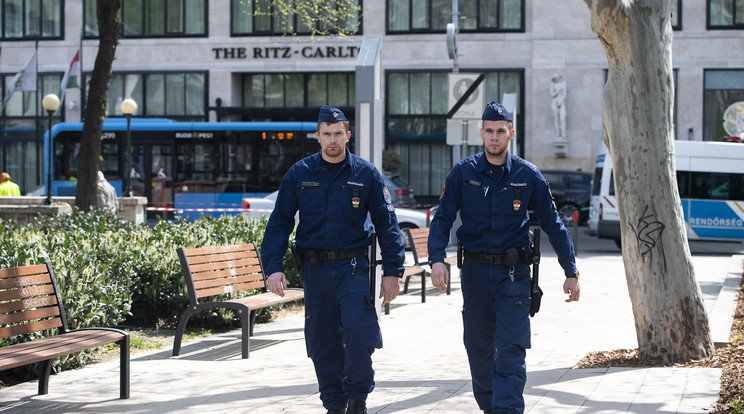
336,194
493,192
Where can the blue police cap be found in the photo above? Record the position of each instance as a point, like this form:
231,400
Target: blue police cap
496,112
330,114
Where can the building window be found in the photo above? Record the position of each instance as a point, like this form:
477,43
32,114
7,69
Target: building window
432,16
180,96
725,14
154,18
31,19
723,90
24,104
267,17
677,14
417,106
266,92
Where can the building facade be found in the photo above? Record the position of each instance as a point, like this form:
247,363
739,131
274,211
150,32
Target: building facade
231,61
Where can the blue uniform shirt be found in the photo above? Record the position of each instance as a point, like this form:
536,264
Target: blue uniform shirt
333,213
494,209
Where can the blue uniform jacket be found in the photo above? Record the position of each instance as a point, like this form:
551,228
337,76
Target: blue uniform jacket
333,213
495,211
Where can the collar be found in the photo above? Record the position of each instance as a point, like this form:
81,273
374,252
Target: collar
316,161
481,163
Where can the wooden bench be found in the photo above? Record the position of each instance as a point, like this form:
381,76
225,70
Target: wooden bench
217,271
419,247
30,302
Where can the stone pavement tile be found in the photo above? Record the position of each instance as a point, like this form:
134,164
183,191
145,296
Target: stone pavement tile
701,384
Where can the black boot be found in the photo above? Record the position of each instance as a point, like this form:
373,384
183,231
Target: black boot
357,407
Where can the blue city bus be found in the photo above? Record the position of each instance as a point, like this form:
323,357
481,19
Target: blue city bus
710,179
187,168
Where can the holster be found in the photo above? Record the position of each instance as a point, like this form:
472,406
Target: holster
296,254
459,254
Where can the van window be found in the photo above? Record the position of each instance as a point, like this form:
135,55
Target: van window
683,183
597,181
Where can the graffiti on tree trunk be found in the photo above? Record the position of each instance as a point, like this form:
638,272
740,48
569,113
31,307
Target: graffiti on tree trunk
648,233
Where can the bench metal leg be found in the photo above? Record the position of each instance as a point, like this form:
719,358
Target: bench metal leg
246,320
449,272
405,285
124,368
46,370
179,331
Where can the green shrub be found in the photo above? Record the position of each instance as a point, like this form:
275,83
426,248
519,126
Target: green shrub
112,272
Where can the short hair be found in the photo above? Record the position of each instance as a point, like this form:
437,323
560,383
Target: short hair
346,125
4,177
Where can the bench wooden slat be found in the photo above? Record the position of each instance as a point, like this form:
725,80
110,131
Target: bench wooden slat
23,271
20,281
28,293
55,346
223,290
39,313
207,267
228,280
255,271
7,307
225,257
30,327
219,249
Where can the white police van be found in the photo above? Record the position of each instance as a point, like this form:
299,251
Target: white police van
710,178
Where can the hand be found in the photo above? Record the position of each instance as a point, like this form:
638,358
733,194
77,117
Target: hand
439,275
389,289
572,287
276,283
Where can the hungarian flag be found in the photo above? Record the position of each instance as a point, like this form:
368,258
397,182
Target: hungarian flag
70,80
24,80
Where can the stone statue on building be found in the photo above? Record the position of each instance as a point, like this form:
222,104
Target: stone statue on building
558,93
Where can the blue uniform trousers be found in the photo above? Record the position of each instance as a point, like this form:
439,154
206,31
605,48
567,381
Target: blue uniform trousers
341,329
496,333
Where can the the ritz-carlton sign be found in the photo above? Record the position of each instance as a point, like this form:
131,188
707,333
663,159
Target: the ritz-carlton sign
286,52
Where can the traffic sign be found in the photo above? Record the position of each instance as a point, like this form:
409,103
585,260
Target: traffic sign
459,84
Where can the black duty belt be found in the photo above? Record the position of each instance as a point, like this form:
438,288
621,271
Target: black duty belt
508,258
317,257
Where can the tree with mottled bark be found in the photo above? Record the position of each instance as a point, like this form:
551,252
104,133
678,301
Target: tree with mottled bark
670,319
109,27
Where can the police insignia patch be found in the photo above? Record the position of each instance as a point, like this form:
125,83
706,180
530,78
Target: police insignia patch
386,195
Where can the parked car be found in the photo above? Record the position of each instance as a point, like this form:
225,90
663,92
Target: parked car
400,191
257,208
572,192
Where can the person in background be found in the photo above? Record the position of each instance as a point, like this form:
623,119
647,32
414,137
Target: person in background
336,194
7,187
493,191
106,195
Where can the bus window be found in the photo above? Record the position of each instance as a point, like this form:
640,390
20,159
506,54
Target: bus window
683,183
194,164
719,184
737,187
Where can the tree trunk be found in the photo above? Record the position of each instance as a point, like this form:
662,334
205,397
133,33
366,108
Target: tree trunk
670,319
109,27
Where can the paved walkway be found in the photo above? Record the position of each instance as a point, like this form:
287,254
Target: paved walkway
423,367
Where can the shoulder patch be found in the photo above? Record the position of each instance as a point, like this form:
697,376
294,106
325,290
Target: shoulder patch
386,195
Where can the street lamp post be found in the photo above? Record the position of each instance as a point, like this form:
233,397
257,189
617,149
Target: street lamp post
128,107
50,103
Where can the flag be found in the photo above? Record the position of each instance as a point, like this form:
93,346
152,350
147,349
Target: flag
24,80
70,80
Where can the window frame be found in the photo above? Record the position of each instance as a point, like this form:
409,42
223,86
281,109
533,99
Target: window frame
274,32
733,26
61,19
142,104
521,29
143,21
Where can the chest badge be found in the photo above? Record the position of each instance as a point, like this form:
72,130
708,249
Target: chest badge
355,202
516,204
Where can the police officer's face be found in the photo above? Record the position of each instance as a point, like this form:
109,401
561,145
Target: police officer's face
496,136
333,138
